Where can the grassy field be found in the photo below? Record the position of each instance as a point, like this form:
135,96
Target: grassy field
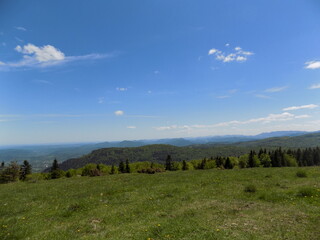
202,204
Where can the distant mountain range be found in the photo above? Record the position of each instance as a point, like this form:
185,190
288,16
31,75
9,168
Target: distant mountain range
42,156
159,152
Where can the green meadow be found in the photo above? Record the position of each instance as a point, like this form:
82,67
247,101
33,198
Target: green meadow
257,203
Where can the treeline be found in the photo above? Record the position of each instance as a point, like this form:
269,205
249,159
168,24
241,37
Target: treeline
262,158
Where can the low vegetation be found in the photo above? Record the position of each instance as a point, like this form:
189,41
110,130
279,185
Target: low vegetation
206,204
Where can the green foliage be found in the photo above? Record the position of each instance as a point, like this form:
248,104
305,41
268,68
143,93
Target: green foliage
265,160
250,188
25,170
128,170
307,192
207,204
185,165
301,174
243,161
10,173
121,167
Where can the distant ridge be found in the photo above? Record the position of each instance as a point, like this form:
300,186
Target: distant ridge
158,152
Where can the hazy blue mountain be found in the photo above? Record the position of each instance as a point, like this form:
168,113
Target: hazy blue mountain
41,156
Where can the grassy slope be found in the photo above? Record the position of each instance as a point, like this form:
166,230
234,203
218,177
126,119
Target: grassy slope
208,204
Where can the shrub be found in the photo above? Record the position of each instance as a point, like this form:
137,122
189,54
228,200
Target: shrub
250,188
306,192
10,173
301,174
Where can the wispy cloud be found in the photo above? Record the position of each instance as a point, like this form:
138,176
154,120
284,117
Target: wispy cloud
131,127
21,28
119,113
101,100
223,97
310,106
315,86
238,55
45,56
121,89
276,89
312,64
262,96
263,120
43,82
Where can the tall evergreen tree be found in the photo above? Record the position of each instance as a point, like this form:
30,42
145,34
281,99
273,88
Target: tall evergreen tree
113,169
25,169
55,170
55,165
184,165
228,164
122,167
128,170
168,163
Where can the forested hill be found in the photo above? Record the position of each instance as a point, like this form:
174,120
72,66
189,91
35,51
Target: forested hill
159,152
155,153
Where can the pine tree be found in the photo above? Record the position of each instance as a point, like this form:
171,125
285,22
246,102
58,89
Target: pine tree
2,165
251,159
55,165
184,165
168,163
25,169
228,164
122,167
55,170
113,170
128,170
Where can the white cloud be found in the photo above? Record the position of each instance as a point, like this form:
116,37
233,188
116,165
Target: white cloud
48,55
227,44
310,106
118,113
131,127
41,54
263,120
315,86
276,89
238,56
213,51
21,28
121,89
312,64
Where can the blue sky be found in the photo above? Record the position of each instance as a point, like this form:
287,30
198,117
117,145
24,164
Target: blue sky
81,71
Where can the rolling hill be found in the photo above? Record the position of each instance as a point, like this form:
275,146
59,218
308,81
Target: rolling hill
158,152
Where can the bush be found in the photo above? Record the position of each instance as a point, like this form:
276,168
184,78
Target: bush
250,188
301,174
306,192
10,173
150,170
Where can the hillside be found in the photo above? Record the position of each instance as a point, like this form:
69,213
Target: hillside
206,204
158,153
155,153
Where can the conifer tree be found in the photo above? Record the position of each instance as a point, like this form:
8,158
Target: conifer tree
122,167
25,169
113,170
228,164
184,165
55,170
128,170
168,163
